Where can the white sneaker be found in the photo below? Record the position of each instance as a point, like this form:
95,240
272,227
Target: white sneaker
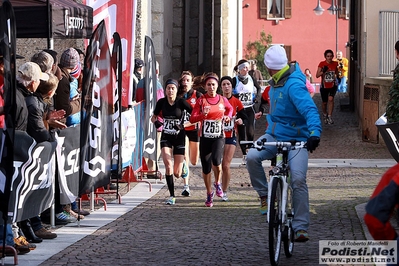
244,160
224,197
186,191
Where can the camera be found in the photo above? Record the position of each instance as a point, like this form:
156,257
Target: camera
325,68
341,65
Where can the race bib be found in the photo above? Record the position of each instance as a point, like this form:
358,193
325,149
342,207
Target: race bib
230,125
212,128
245,98
329,76
168,126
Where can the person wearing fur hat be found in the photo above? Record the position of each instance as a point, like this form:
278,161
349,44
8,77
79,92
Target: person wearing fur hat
247,90
212,110
293,115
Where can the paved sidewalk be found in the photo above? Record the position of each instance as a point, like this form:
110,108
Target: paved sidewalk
342,174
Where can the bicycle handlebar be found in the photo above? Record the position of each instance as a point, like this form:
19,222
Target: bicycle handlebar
260,144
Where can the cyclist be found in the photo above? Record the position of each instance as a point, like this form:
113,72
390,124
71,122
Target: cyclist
292,115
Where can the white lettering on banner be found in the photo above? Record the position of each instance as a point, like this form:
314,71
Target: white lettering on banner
94,162
393,137
76,23
115,121
95,123
32,171
149,142
72,160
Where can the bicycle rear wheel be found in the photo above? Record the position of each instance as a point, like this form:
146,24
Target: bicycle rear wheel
275,231
289,235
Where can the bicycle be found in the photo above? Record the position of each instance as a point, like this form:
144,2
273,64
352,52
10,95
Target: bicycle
281,211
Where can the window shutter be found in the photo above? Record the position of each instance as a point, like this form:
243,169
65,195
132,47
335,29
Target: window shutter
288,13
263,9
288,51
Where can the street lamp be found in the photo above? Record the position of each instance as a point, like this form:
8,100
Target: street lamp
333,10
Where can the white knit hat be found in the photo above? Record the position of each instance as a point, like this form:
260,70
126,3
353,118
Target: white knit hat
276,57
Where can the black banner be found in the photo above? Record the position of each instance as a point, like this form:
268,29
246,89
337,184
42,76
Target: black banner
67,155
116,121
150,81
33,180
97,108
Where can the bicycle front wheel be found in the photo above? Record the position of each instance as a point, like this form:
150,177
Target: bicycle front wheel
288,233
275,218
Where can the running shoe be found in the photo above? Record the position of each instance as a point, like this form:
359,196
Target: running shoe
64,218
186,191
218,188
301,236
184,171
330,120
325,119
209,199
224,197
244,160
171,201
263,205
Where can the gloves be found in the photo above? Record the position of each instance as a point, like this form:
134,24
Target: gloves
157,124
324,69
312,143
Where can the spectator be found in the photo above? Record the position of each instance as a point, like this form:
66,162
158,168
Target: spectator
69,60
138,70
308,75
342,72
255,73
140,96
21,246
393,102
28,79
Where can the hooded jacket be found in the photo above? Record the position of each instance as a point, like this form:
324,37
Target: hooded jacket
293,113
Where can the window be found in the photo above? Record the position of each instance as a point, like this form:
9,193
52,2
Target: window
275,9
389,34
343,6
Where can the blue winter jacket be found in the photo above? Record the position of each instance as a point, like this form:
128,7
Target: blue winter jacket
293,113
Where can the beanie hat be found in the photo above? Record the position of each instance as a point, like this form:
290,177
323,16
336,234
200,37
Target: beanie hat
31,72
138,63
69,58
76,71
224,78
276,57
171,81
